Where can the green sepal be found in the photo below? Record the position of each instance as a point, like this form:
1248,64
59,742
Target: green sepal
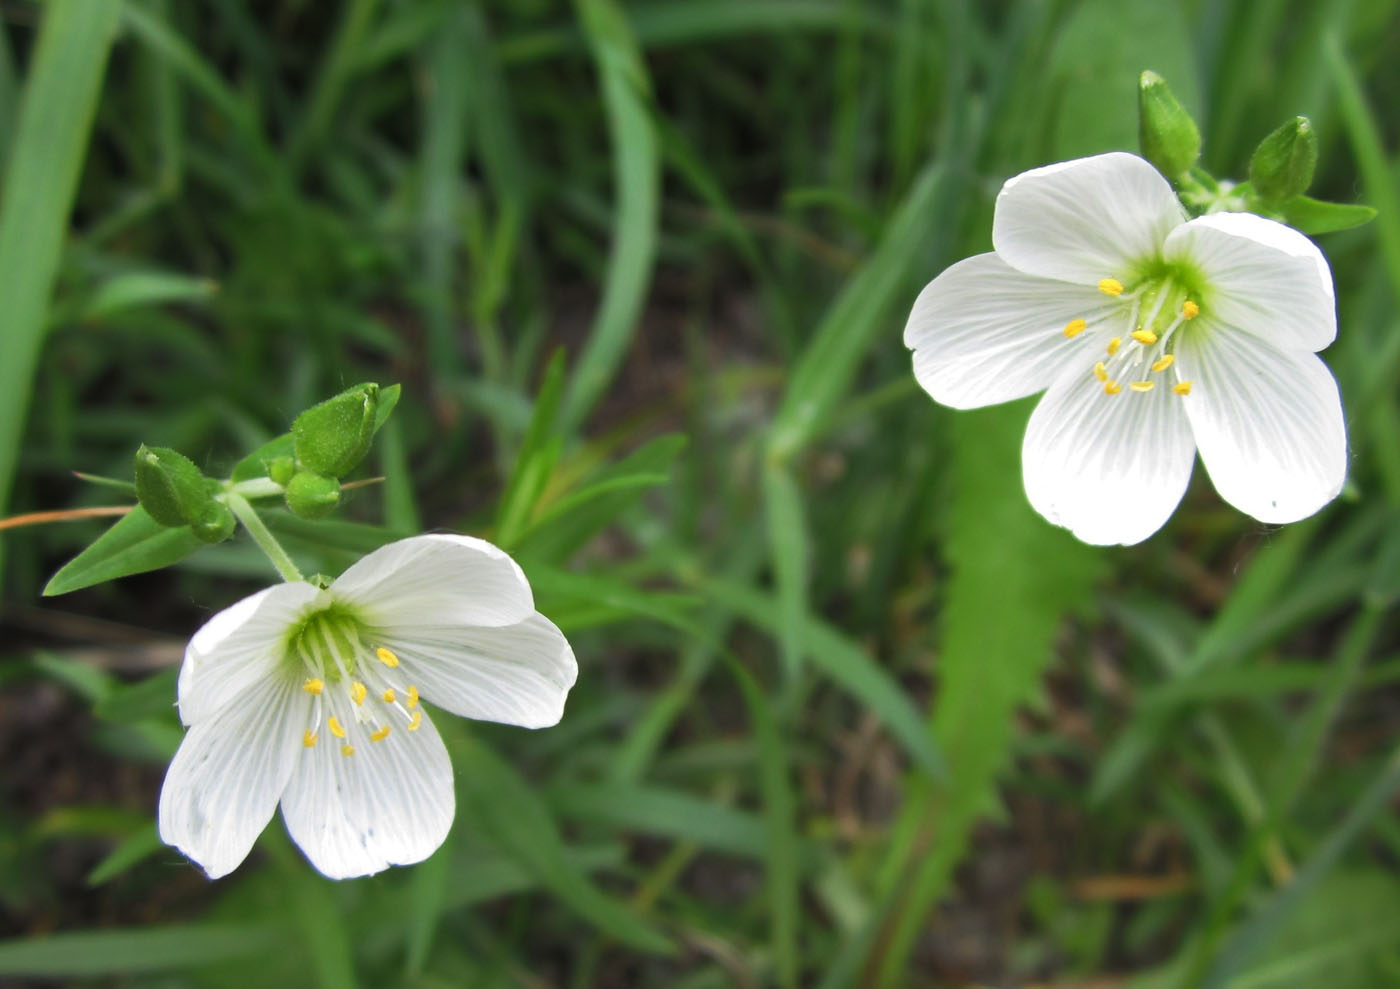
215,525
312,496
1168,136
136,543
169,486
332,437
1283,164
1313,216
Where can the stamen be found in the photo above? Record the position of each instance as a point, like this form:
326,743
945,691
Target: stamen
1182,388
386,657
337,729
389,696
347,750
309,739
1112,388
415,721
357,692
1075,327
1166,362
1190,310
412,698
1141,386
1145,337
312,686
1113,345
380,735
1111,286
1101,371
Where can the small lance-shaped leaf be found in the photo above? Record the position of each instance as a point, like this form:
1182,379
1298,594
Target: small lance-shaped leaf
135,544
1313,216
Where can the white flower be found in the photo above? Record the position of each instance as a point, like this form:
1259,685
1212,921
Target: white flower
1153,336
310,697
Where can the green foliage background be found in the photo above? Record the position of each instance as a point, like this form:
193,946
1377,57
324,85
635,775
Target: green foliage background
848,711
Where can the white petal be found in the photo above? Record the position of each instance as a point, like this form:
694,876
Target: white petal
238,648
1268,423
1261,277
437,578
1085,220
983,333
390,803
1110,468
228,774
518,675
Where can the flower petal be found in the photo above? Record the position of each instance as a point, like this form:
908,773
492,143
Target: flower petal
1085,220
1110,468
1268,423
437,578
390,803
983,332
518,675
1263,277
238,648
228,774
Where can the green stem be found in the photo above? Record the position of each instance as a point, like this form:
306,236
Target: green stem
271,548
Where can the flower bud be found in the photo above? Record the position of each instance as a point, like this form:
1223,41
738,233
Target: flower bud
1168,135
171,489
281,470
334,436
1282,166
312,496
215,525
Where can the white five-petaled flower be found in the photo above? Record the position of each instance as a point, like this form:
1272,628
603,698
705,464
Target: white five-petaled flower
1152,336
310,697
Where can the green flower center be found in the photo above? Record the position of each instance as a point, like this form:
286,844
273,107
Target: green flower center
1155,304
355,684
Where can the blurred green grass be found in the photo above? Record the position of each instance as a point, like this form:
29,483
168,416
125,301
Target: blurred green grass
849,712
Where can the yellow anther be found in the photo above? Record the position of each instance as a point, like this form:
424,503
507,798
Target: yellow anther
1190,310
314,686
389,696
1075,327
1112,388
357,692
347,750
337,729
1101,371
1110,286
412,698
1113,345
386,657
1145,337
1167,361
415,721
1143,385
1182,388
309,739
380,735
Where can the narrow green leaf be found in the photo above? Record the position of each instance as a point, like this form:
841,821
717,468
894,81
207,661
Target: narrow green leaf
137,289
661,811
1313,216
137,543
50,142
135,847
157,948
791,554
536,457
636,187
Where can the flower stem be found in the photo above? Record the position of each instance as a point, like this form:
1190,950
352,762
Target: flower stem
271,548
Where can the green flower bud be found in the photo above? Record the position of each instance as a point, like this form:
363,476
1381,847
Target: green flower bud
171,489
334,436
1282,166
215,525
1166,132
312,496
281,470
